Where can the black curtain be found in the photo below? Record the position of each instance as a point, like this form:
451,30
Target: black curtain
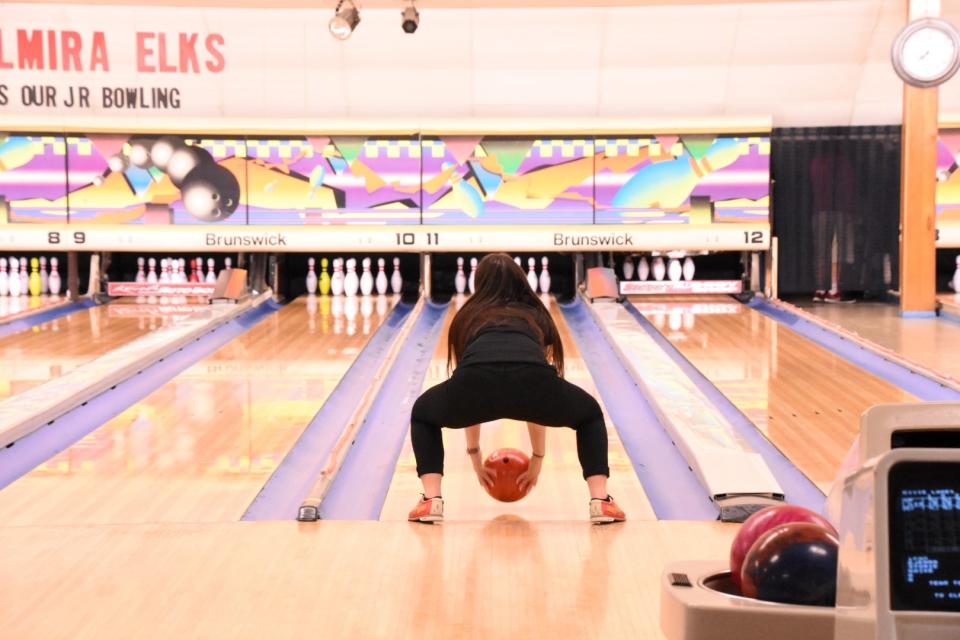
836,208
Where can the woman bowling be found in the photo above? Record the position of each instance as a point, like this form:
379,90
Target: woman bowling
509,364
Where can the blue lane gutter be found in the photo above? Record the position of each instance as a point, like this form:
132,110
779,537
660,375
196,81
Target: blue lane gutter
40,445
360,487
797,487
34,319
895,373
673,490
281,496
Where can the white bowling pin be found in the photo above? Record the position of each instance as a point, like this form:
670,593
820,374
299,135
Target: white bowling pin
152,274
4,278
628,268
674,270
54,277
689,268
532,274
659,268
311,276
14,278
473,273
141,276
517,260
396,280
351,283
211,271
44,276
200,276
228,263
643,268
336,282
460,280
956,276
366,279
24,276
181,270
381,281
544,275
164,274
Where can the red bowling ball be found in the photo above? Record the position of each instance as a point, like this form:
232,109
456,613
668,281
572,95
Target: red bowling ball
761,522
507,465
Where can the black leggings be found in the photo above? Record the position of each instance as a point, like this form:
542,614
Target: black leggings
526,392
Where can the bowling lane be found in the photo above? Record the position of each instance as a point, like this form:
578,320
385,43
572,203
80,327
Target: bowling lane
561,493
49,350
200,447
806,399
930,342
12,308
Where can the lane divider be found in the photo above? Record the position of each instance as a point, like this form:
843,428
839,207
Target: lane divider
314,457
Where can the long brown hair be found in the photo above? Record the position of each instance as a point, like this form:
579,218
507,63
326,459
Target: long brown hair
502,294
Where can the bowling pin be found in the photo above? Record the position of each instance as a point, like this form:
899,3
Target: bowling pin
473,273
517,260
194,276
200,276
311,276
211,271
24,277
628,268
366,279
674,270
544,275
659,268
351,283
643,268
688,268
151,275
460,281
336,282
164,276
324,277
181,270
227,263
396,280
141,276
382,283
4,278
44,276
54,277
34,281
956,276
532,274
14,278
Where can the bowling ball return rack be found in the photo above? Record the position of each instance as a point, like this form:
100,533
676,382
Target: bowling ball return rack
698,601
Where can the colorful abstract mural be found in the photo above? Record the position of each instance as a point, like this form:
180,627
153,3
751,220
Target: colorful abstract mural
32,178
948,178
334,180
459,180
499,180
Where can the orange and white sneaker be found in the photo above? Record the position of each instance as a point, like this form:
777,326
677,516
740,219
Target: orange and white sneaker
427,510
605,511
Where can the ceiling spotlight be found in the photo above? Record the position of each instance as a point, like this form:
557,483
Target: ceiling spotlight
411,19
345,20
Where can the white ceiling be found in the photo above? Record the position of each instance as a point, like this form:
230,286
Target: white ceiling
816,62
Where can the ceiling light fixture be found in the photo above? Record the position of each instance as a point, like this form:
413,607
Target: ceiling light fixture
345,20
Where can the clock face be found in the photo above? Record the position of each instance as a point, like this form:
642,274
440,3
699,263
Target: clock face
928,53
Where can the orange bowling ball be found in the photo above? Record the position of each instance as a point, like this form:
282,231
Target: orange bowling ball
507,465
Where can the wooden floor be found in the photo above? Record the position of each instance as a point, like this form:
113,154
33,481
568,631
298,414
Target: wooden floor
504,578
931,342
806,399
561,493
34,356
13,308
200,447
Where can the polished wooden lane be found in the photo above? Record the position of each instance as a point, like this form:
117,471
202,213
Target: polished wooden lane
34,356
505,578
13,308
201,446
931,342
561,493
806,399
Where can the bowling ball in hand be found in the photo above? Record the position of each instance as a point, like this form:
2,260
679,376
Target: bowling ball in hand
795,563
761,522
507,465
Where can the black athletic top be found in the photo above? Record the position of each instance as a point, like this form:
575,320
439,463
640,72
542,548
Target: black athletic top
511,341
